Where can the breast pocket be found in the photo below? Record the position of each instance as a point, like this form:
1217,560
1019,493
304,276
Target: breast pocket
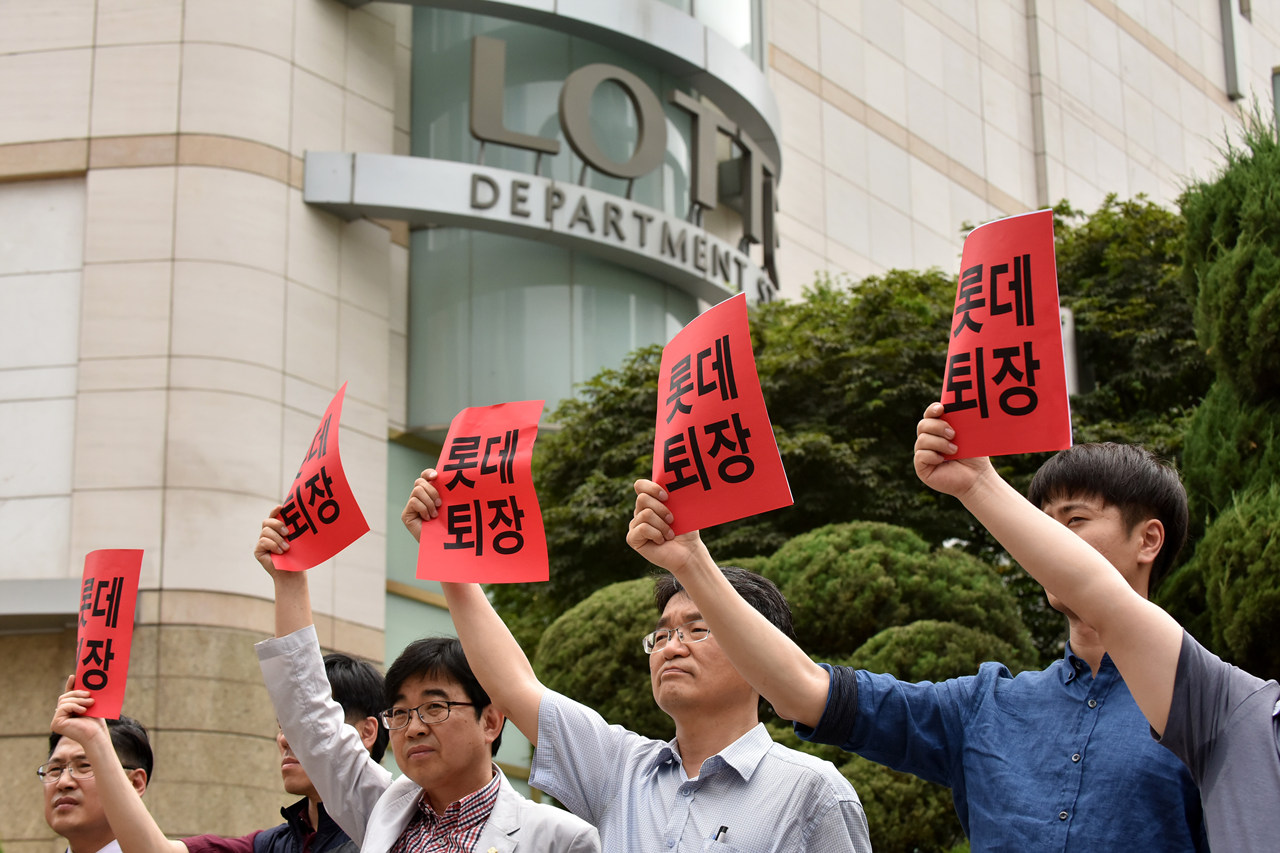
713,846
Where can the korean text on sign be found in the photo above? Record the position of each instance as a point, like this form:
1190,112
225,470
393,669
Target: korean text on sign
320,512
490,526
1005,386
714,450
104,635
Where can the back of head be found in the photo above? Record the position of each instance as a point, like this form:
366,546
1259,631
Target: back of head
442,658
132,745
757,590
359,689
1127,477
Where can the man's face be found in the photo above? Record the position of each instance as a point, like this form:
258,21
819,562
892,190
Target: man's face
71,806
448,756
296,780
693,677
1103,527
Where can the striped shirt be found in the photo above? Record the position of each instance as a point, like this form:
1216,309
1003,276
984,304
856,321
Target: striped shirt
455,831
754,796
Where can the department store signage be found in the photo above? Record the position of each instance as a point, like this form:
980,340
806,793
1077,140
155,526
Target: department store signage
426,191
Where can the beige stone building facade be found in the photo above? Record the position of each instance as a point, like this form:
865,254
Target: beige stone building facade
176,310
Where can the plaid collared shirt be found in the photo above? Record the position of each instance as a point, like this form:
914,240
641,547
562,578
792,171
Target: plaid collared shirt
455,831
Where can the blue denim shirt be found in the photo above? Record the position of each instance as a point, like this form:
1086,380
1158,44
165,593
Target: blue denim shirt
1048,760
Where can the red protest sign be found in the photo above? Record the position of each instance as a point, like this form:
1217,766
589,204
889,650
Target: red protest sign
108,595
320,513
1005,388
714,450
490,526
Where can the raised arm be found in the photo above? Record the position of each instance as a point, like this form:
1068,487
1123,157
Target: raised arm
769,660
293,595
1142,639
494,655
331,751
120,790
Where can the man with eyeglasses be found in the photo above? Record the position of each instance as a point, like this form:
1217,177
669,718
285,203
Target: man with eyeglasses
721,784
72,805
123,771
444,734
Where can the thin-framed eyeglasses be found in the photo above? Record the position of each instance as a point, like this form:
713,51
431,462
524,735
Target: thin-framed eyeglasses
50,772
694,631
429,712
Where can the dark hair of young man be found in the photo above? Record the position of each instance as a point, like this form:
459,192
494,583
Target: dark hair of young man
129,737
438,657
359,689
1127,477
758,591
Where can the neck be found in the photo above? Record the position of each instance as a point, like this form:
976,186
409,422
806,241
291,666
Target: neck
313,812
90,842
700,736
445,795
1086,644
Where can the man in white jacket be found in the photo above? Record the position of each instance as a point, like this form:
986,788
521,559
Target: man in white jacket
444,732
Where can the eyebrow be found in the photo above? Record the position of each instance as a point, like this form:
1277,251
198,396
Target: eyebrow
433,693
693,617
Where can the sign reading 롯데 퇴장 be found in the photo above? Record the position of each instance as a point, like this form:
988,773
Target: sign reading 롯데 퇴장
1005,386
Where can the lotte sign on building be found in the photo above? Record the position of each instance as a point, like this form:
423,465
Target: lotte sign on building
676,249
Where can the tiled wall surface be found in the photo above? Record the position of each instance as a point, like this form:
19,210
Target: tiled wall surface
173,321
904,120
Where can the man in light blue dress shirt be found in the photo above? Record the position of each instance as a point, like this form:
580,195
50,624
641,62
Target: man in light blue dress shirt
721,785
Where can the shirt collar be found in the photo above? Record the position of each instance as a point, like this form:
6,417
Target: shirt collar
472,809
743,755
1078,665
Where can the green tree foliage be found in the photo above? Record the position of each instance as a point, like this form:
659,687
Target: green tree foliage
845,373
932,650
1231,446
1232,272
1233,263
1239,562
850,582
592,653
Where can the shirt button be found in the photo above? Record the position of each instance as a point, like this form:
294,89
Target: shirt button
1075,757
1093,703
671,842
1062,815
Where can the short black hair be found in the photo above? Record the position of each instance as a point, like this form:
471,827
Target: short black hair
439,657
757,590
358,688
1126,476
129,737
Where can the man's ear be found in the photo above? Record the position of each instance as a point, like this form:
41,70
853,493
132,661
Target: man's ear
1152,540
368,729
491,720
139,780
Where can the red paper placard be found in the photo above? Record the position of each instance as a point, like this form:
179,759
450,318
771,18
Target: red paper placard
320,513
1005,388
713,449
490,526
108,596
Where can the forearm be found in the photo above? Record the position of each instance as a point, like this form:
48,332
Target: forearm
497,660
1143,640
293,602
769,660
135,828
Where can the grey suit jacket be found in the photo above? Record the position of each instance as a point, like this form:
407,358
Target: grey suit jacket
359,793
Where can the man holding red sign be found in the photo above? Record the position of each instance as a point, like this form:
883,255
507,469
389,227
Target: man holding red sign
721,782
1052,760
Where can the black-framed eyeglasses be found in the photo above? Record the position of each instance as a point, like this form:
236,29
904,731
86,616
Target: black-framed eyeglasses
694,631
50,772
429,712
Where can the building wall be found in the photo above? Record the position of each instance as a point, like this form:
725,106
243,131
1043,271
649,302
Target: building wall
173,318
173,321
904,120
